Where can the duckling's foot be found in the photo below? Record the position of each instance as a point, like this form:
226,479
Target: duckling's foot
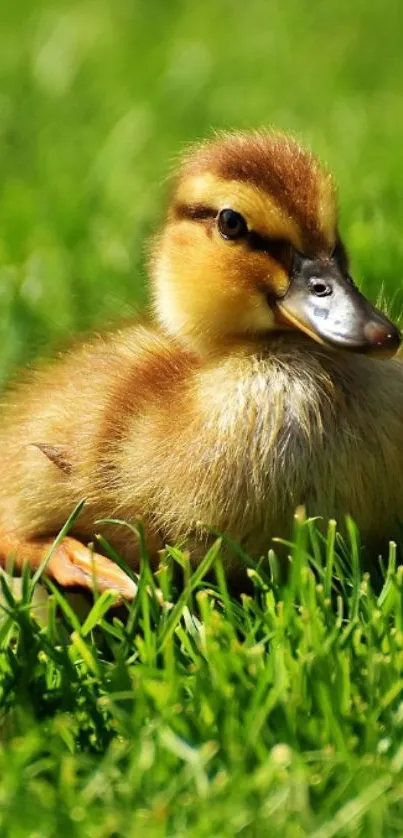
70,565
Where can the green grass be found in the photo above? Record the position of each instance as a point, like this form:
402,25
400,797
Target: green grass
194,714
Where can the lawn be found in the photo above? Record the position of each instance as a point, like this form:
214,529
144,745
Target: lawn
194,713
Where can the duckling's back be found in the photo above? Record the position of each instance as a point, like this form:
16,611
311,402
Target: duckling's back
59,426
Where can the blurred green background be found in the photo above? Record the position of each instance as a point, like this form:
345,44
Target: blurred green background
98,98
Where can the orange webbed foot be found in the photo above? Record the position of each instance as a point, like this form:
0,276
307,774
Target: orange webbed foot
70,565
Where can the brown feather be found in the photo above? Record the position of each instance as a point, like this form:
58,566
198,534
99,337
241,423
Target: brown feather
275,164
56,454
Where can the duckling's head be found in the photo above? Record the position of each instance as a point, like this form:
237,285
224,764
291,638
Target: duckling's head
251,247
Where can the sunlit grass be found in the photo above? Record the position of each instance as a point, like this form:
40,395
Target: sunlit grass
196,713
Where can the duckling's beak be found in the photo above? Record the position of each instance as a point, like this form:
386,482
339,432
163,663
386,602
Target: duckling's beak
324,302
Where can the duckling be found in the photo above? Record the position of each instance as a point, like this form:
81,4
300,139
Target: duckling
264,381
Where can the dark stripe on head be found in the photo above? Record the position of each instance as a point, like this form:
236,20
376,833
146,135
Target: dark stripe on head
194,212
276,165
278,249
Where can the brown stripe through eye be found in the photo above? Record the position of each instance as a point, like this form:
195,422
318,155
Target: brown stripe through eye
194,212
278,249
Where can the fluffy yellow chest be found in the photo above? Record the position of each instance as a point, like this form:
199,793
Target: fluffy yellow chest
246,438
273,431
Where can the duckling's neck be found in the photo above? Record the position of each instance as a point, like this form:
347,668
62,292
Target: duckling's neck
211,343
284,343
270,343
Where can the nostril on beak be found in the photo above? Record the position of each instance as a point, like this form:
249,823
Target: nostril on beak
384,337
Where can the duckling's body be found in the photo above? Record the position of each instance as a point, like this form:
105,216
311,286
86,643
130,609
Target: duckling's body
141,428
228,429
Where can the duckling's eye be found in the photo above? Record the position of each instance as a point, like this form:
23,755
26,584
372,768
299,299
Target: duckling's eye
231,224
